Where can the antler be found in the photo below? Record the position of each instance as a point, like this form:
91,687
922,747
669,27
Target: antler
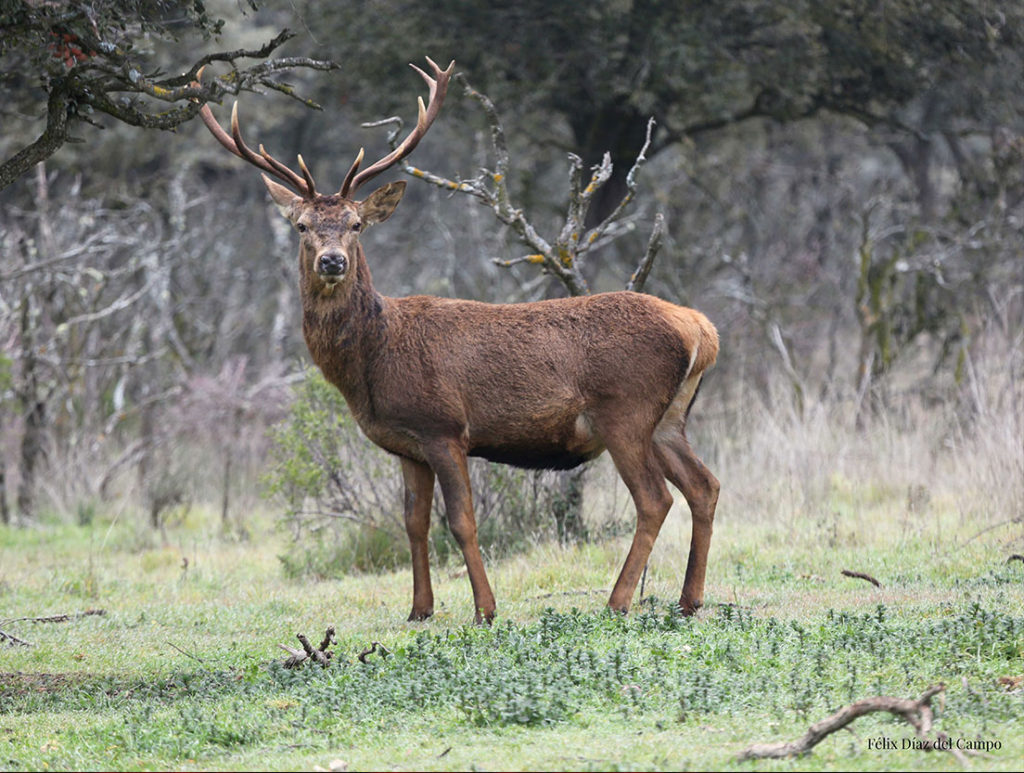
438,86
233,142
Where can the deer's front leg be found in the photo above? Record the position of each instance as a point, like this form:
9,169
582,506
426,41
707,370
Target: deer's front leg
419,495
448,460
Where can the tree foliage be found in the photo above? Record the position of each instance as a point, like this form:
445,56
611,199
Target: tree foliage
604,67
84,59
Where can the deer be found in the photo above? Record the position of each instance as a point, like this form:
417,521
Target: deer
547,384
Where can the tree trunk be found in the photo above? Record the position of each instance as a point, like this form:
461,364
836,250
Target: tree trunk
146,484
33,405
5,513
568,507
31,451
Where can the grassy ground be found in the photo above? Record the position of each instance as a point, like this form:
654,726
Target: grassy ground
181,672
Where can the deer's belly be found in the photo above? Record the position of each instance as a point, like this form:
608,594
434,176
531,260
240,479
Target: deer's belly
540,445
544,458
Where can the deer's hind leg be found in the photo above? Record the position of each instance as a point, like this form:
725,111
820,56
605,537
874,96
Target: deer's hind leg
641,472
700,488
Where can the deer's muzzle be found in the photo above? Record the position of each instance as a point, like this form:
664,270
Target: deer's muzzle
332,265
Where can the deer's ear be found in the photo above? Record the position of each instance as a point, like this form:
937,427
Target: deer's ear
378,206
283,197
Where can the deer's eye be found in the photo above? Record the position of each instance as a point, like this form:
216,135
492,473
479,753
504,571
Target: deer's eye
357,227
301,227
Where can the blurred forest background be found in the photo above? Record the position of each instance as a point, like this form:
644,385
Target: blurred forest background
841,181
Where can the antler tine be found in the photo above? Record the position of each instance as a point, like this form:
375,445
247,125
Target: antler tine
438,88
218,131
432,82
234,143
266,161
307,175
305,187
352,173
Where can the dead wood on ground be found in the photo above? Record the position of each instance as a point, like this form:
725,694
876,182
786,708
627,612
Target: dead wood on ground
374,647
11,640
309,652
861,576
322,655
918,713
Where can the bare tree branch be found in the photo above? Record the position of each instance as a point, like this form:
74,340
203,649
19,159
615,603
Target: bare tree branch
639,278
564,256
918,713
109,81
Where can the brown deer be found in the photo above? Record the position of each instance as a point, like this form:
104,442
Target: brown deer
549,384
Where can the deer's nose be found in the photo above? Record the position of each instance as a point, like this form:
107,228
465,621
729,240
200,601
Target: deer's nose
332,264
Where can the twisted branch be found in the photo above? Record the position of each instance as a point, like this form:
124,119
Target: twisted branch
917,713
564,256
111,82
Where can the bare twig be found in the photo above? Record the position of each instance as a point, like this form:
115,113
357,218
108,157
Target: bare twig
13,640
308,652
54,618
917,713
1015,520
862,576
563,256
374,647
639,278
631,186
186,654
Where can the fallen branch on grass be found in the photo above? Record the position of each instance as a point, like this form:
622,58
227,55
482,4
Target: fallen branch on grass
862,576
918,713
384,651
297,657
1015,519
55,618
12,640
186,654
309,652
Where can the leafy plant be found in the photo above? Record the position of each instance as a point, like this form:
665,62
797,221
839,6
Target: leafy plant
336,485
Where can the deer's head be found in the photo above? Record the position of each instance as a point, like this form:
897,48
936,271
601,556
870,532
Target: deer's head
329,225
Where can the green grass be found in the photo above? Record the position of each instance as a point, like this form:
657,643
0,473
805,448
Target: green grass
182,672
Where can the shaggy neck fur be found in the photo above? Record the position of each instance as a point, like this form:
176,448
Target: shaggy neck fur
342,324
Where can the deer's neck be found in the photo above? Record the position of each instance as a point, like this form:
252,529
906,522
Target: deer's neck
343,326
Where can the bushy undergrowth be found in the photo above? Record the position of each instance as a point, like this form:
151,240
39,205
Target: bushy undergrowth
342,495
574,667
662,665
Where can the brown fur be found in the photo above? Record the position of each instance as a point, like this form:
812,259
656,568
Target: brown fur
546,384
